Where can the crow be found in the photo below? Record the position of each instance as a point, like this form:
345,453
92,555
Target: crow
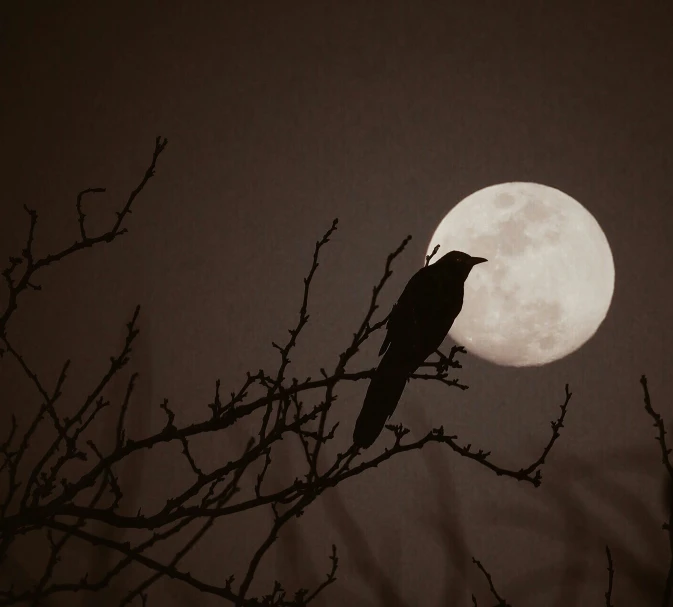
416,327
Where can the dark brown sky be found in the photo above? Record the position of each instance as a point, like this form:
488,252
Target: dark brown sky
284,115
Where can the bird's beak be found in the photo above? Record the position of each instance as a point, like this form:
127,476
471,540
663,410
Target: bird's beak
476,260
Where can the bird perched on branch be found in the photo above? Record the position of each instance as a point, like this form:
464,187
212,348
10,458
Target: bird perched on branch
416,327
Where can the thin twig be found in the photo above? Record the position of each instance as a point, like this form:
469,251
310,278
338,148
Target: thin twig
501,602
667,598
611,573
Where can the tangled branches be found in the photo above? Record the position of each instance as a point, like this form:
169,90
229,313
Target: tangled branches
41,498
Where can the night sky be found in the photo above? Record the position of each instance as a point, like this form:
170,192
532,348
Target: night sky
282,116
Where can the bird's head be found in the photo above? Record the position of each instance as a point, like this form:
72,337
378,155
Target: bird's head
456,265
461,260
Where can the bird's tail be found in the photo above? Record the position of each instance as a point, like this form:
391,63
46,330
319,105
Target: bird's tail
383,394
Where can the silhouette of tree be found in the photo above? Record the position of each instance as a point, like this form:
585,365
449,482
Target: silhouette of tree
45,496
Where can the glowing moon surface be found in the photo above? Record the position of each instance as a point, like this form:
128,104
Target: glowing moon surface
549,279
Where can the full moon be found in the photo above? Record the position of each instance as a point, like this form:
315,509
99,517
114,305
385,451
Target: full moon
549,279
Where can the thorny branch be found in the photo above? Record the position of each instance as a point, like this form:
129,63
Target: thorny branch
611,575
41,498
667,597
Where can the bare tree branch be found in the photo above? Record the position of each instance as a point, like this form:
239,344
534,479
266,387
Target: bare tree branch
42,499
667,597
611,574
494,592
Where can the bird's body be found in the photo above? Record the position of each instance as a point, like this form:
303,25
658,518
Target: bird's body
417,326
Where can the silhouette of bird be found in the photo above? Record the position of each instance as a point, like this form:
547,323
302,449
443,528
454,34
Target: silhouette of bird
416,327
